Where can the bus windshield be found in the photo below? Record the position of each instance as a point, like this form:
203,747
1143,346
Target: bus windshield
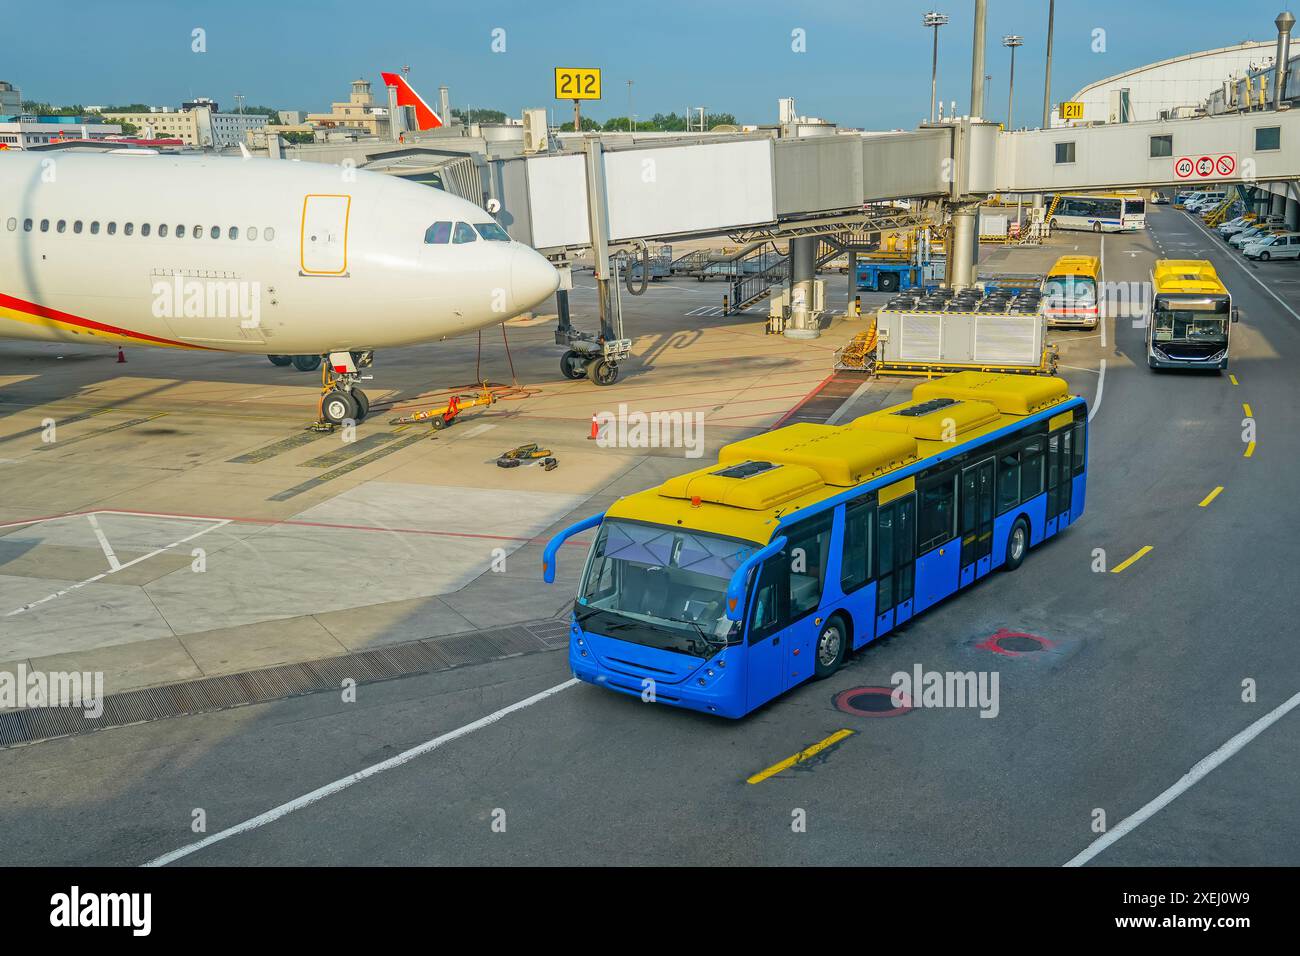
661,587
1198,321
1069,290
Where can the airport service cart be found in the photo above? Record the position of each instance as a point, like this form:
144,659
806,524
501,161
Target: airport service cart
918,342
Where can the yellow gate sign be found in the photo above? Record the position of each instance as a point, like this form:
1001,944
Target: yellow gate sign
1071,111
576,83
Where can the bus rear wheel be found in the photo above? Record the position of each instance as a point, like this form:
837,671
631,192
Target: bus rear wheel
832,645
1096,227
1017,544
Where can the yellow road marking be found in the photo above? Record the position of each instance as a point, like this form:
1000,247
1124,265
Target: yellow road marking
1245,407
1250,450
800,757
1124,564
1233,379
1210,497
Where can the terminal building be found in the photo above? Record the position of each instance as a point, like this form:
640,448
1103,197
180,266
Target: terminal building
25,131
359,114
198,123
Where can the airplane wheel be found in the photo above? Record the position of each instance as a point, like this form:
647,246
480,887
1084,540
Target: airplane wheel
306,363
363,403
338,407
572,365
281,360
600,372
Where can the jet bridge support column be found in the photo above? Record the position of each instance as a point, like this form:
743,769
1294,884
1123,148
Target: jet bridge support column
964,246
803,320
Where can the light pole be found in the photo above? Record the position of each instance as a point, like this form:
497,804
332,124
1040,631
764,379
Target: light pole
629,106
1012,41
935,21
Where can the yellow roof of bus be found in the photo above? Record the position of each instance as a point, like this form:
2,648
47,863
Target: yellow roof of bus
761,479
1089,266
1186,275
1104,195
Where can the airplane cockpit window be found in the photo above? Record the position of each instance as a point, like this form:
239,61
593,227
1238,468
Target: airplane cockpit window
438,233
464,233
492,232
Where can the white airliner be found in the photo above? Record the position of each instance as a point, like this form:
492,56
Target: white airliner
250,255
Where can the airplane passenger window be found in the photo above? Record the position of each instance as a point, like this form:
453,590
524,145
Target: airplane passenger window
198,232
252,233
464,233
94,228
180,232
128,228
112,229
27,225
162,231
492,232
76,227
215,232
62,226
234,232
268,233
438,233
12,223
45,225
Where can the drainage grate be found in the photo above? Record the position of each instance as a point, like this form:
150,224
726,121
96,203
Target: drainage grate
208,694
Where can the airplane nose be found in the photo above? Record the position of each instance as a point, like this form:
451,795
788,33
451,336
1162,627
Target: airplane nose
532,278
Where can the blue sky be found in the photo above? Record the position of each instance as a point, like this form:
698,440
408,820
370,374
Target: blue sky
867,63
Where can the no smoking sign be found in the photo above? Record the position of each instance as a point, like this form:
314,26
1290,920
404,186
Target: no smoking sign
1204,167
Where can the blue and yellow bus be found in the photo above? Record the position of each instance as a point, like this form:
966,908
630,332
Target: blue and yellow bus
725,587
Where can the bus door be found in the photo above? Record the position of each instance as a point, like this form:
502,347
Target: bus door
976,520
895,560
784,619
1060,458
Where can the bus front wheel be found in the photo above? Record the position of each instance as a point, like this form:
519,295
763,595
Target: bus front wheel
1017,544
832,645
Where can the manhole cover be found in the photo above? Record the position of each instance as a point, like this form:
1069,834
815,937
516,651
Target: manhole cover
1020,644
871,702
1014,643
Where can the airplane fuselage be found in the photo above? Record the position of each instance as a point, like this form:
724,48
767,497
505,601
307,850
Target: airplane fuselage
247,255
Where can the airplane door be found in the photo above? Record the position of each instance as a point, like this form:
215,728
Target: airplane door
324,239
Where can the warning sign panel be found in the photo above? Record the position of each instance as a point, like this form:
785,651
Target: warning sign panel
1206,167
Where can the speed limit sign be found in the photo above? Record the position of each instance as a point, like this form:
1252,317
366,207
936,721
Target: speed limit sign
1183,167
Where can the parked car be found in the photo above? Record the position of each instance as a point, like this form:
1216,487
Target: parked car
1281,245
1249,235
1204,201
1234,226
1159,199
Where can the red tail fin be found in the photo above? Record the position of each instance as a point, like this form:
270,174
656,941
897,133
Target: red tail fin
425,117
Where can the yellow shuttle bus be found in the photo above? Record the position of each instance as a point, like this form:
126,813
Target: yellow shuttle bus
1072,292
724,587
1190,316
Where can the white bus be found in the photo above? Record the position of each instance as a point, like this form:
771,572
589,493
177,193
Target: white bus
1100,212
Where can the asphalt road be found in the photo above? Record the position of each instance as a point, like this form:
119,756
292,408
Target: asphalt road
1144,679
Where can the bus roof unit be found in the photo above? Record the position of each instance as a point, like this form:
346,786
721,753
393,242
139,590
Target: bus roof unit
1076,266
1186,275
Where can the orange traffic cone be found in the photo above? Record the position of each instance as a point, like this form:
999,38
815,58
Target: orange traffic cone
121,356
595,427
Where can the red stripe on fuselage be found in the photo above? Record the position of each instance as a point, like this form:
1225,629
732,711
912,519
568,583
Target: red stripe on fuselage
45,312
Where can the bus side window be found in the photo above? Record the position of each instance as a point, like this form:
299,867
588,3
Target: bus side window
937,522
1031,469
1008,481
1080,455
809,544
855,561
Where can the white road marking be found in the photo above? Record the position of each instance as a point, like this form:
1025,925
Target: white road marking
476,430
113,563
1101,383
1102,258
320,793
1080,368
848,403
217,523
1256,278
1199,771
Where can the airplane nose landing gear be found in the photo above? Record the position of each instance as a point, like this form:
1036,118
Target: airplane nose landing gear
341,401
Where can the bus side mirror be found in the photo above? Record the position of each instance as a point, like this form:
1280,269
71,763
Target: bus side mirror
1236,314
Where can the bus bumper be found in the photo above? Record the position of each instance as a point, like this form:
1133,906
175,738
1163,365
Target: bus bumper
720,693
